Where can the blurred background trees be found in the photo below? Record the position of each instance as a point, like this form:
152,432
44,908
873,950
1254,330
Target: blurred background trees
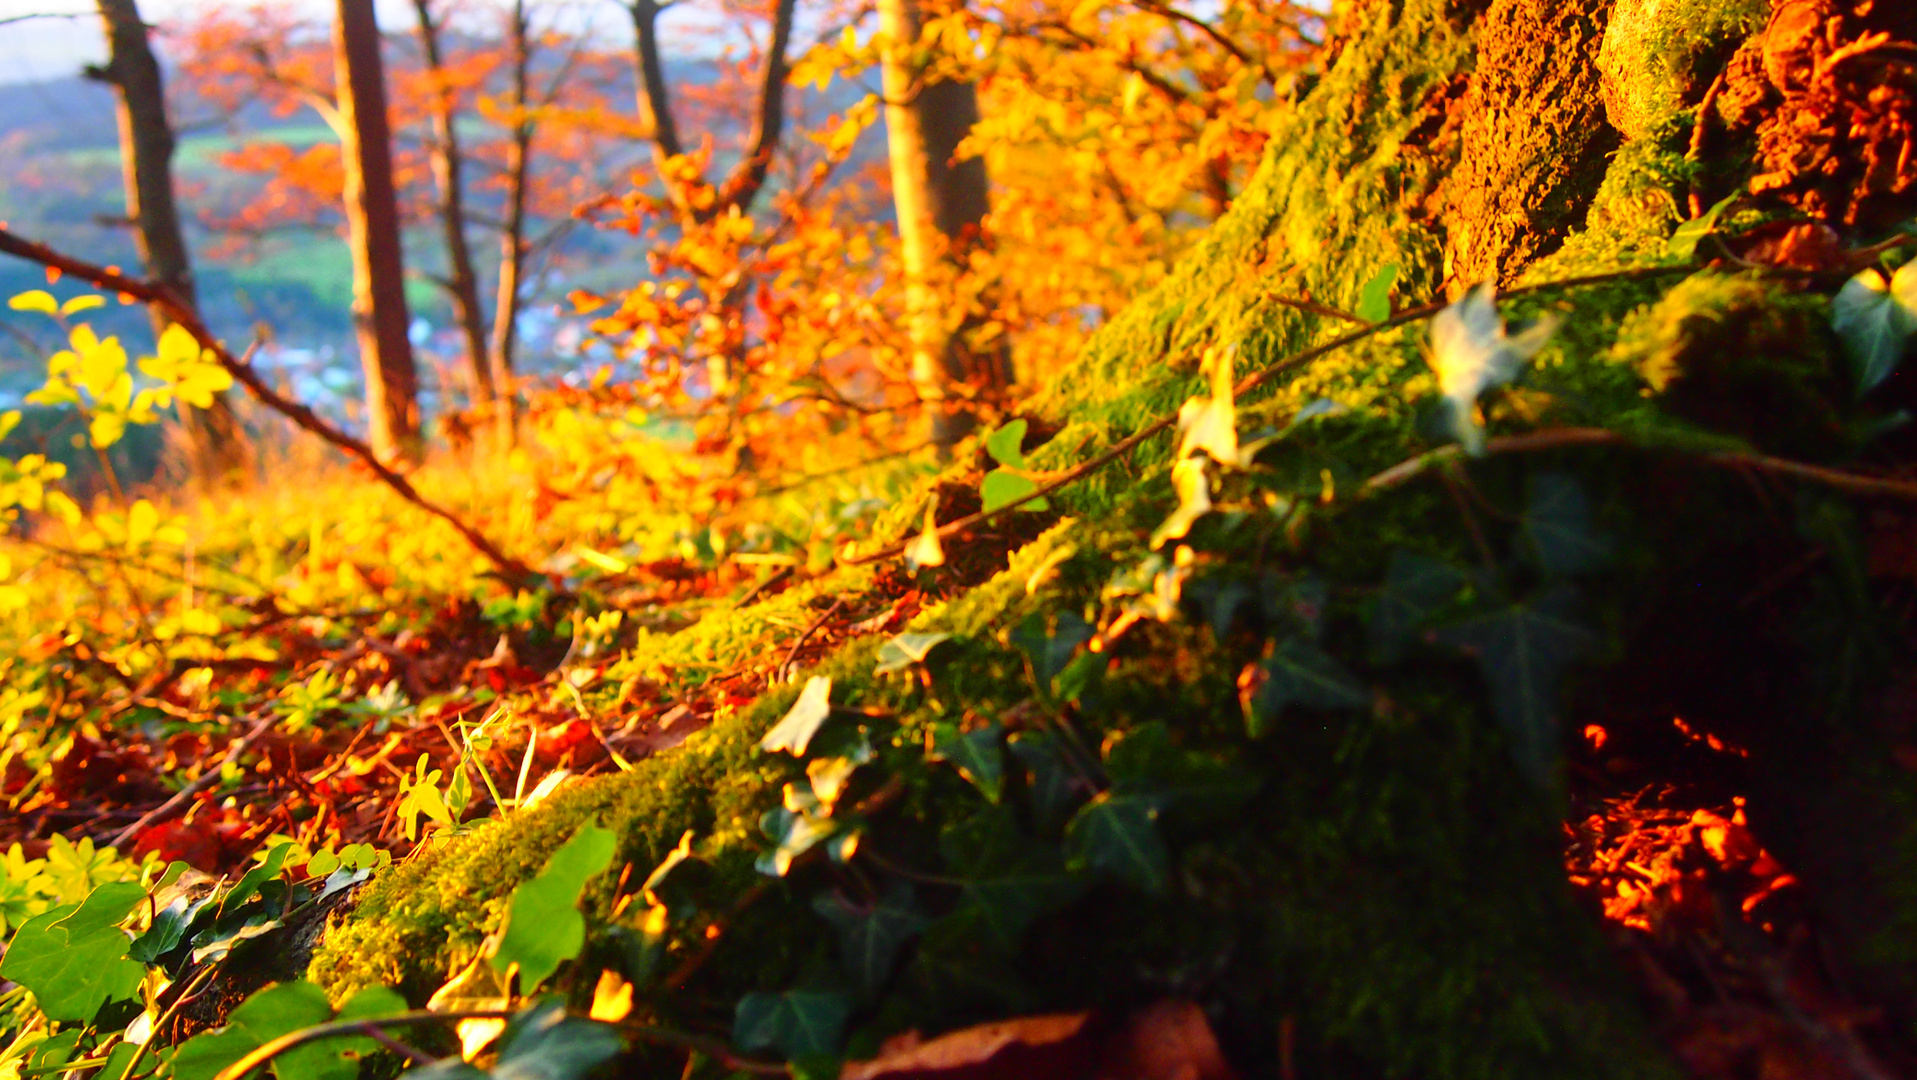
692,208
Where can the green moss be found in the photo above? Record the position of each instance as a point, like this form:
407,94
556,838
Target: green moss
1394,884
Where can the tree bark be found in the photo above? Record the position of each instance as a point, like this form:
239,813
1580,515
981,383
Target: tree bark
655,98
462,282
512,238
941,206
216,441
373,228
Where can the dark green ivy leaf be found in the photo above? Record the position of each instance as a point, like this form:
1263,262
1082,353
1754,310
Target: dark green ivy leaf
795,1023
280,1009
1010,879
1558,523
1050,648
1055,786
870,936
1523,651
1196,786
339,1058
975,754
1415,587
1117,833
543,1043
1300,673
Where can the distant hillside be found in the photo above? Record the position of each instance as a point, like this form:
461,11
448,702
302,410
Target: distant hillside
60,181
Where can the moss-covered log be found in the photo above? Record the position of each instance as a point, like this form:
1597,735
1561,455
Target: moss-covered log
1377,868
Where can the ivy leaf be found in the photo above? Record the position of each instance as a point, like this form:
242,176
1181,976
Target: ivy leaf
1300,673
1523,651
870,936
975,754
668,885
1195,786
1683,242
280,1009
950,968
1055,787
1010,879
1874,320
795,1023
1005,445
1193,488
926,551
1117,832
339,1058
73,958
1000,488
1374,300
543,1043
249,884
1415,587
904,650
1558,522
1472,354
1050,648
794,732
1210,424
543,925
795,832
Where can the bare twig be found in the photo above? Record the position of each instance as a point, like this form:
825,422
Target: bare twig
1246,385
243,373
1558,438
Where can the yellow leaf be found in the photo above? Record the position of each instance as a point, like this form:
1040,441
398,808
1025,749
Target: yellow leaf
177,346
13,597
142,521
611,999
925,551
62,506
8,421
1194,500
1211,424
82,303
106,429
204,623
35,300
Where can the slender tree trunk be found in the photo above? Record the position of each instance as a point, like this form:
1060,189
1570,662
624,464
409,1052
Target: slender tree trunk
372,218
512,238
216,441
462,283
941,206
655,99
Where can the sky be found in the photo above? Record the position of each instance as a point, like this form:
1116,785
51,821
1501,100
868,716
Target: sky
34,50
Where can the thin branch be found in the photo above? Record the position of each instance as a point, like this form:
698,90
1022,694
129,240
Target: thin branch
1558,438
286,1042
1245,385
44,15
1167,11
245,375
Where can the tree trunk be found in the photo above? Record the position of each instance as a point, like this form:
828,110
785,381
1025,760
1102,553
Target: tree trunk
373,231
216,441
655,98
512,238
462,283
941,206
